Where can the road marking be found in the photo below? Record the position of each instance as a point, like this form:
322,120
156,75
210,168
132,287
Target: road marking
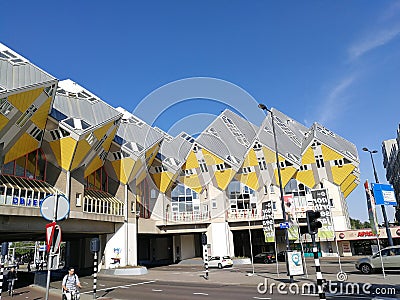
201,294
121,286
261,298
156,290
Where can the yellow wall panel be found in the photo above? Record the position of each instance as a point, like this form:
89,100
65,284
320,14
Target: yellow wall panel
347,182
40,116
67,150
100,132
250,179
286,174
192,182
3,121
163,180
82,149
308,157
23,100
330,154
136,170
340,173
251,159
224,178
191,162
22,146
306,177
351,188
123,168
107,143
141,176
95,164
152,150
211,159
269,155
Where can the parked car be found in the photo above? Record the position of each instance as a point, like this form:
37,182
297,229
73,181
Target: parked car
390,260
265,258
218,262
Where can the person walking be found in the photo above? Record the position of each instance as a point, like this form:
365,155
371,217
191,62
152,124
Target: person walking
70,285
11,277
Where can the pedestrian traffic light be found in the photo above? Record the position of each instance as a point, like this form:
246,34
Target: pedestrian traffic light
312,221
4,248
203,239
94,245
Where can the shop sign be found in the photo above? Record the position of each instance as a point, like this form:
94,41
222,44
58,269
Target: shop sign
321,204
268,222
365,233
342,235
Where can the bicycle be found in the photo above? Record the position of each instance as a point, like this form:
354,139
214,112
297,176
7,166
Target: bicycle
74,295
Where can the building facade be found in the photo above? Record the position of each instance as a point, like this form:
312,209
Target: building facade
158,192
391,162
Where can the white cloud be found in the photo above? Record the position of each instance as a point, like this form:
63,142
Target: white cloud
372,41
334,99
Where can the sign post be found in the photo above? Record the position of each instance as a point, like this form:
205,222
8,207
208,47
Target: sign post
53,208
4,251
94,248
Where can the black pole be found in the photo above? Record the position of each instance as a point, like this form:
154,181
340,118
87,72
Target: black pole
388,233
285,218
1,274
94,275
320,280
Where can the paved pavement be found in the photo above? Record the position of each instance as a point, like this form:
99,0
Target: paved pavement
186,281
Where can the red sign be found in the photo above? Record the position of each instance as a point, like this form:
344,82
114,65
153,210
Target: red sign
341,235
49,234
365,233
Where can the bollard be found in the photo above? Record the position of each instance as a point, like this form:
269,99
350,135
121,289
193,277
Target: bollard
320,280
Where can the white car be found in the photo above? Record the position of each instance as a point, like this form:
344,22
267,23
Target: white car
390,259
218,262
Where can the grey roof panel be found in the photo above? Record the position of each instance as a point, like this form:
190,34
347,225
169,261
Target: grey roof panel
91,109
17,72
230,137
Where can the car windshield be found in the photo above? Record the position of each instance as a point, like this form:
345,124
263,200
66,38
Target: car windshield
226,257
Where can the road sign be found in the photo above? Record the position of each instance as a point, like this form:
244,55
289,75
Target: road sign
284,225
49,234
56,239
47,208
384,194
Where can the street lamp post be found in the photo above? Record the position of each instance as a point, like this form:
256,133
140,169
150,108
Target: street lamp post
388,233
285,218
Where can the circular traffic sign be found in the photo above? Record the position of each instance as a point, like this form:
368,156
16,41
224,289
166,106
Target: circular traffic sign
48,205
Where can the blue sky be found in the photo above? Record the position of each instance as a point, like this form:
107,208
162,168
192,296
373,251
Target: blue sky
335,62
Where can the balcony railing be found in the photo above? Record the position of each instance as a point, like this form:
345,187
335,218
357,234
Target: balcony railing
190,216
244,214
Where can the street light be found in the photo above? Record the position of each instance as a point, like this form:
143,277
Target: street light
388,233
285,218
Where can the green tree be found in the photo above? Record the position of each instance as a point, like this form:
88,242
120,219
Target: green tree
357,224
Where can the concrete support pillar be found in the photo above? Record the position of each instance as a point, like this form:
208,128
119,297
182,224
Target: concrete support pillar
220,238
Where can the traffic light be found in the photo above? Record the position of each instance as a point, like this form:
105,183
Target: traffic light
312,221
203,239
4,248
94,245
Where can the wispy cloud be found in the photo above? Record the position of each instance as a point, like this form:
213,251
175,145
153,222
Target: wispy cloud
373,40
335,97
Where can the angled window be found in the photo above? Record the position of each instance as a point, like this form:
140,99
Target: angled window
5,107
26,116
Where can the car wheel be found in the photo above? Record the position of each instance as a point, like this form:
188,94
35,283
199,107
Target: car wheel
219,266
366,269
